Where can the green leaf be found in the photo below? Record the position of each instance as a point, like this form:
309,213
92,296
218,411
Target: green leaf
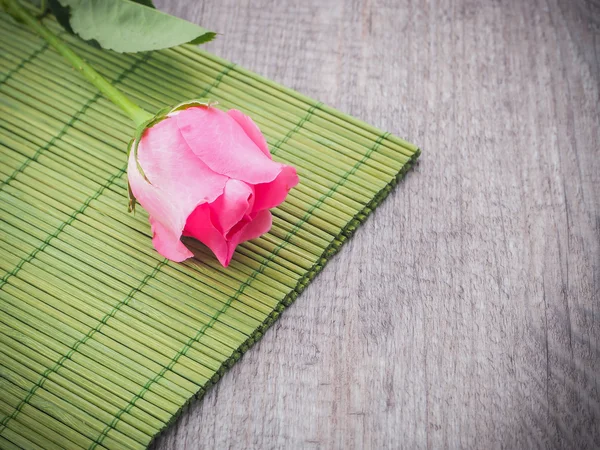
61,13
145,2
127,26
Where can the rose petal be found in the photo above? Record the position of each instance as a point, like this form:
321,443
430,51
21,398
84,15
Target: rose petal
228,209
223,145
269,195
200,226
167,243
251,129
256,228
179,182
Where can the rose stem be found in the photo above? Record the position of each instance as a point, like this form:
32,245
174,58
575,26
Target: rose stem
133,111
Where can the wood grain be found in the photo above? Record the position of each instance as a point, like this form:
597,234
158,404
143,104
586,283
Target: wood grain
466,312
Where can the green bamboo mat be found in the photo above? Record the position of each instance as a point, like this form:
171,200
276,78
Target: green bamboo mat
102,341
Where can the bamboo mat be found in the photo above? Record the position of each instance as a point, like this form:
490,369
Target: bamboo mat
102,341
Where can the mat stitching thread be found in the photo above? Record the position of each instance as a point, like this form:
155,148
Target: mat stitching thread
73,349
46,242
50,143
29,258
25,61
70,123
218,80
294,130
151,381
241,289
83,207
62,226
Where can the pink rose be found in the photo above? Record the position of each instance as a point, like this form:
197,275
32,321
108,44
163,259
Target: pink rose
211,177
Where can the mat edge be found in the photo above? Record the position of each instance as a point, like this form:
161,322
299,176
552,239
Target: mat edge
332,249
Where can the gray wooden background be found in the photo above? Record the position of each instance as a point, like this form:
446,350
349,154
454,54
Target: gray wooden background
466,312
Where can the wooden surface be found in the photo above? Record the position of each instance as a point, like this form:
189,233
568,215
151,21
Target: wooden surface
466,312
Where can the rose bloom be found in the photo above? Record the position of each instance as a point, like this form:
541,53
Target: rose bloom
211,177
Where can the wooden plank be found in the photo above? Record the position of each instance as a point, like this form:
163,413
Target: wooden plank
465,316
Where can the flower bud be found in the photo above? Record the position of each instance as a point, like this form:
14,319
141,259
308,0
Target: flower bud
208,174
